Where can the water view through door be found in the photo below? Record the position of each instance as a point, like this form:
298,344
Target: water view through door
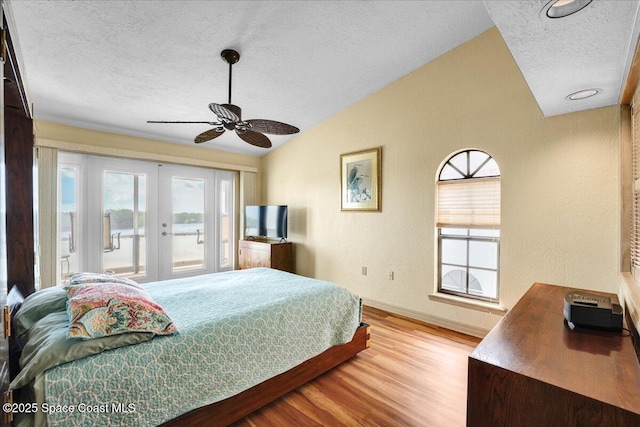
143,220
186,221
124,219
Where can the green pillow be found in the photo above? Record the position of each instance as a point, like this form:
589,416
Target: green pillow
38,305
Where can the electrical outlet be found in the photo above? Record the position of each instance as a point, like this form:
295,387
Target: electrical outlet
391,275
364,271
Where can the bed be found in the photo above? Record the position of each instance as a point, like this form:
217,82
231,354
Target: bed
244,339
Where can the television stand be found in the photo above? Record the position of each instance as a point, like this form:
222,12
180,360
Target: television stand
255,253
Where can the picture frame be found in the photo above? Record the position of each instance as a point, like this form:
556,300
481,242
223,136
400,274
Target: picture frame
361,180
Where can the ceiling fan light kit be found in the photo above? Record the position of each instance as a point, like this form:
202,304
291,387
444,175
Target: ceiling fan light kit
230,118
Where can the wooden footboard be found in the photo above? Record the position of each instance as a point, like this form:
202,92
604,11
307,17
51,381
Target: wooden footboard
236,407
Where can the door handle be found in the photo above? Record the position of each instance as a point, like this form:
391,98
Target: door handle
164,233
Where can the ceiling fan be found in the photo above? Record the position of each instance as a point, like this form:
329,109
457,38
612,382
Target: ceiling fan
230,118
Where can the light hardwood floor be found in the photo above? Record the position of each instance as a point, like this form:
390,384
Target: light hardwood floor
412,375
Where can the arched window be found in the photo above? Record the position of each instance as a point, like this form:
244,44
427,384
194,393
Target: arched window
468,226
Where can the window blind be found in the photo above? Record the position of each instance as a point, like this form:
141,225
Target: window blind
635,224
469,203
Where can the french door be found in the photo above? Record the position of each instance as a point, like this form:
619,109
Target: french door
143,220
186,221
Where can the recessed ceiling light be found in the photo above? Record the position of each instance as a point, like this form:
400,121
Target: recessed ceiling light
582,94
562,8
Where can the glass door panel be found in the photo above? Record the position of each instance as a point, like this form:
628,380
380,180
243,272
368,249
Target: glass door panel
225,222
124,215
122,200
143,220
68,178
188,224
186,213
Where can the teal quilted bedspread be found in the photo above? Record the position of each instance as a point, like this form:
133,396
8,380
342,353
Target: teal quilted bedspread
237,329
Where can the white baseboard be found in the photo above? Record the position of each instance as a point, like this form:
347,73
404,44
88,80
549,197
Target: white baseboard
433,320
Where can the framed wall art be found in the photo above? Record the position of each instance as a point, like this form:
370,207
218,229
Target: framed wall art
360,180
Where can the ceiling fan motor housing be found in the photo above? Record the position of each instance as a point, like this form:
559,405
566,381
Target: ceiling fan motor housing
235,110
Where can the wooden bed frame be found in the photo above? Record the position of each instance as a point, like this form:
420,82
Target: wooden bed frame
237,407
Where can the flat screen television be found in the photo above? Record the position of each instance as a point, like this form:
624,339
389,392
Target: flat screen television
265,221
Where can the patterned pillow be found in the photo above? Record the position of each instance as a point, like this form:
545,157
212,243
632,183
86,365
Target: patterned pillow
103,309
82,278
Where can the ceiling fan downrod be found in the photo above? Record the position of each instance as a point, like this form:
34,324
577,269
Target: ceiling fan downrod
230,56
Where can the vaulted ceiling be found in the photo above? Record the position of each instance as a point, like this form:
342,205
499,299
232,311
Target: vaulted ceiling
113,65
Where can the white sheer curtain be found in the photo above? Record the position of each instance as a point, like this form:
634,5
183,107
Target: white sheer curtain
247,194
47,217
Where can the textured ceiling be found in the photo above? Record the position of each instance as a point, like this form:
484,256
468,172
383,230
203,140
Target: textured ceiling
592,48
113,65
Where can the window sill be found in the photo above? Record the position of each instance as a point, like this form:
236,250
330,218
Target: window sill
468,303
630,291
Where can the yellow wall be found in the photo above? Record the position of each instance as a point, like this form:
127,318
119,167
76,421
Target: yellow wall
560,203
93,141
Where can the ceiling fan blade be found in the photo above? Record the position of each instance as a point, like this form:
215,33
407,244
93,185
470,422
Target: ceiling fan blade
223,113
208,135
254,138
164,121
272,127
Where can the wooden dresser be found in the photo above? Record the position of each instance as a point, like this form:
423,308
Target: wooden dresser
532,370
254,253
